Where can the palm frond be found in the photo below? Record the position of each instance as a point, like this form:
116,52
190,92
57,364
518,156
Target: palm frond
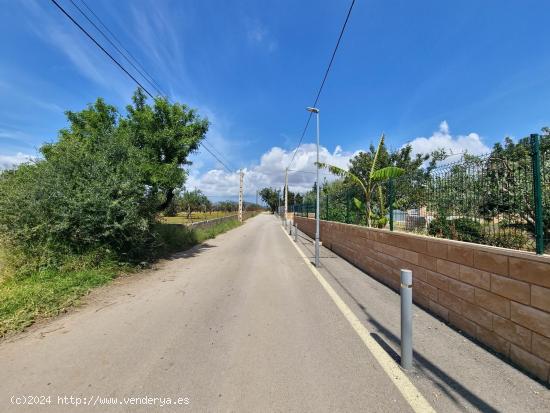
375,160
333,169
387,173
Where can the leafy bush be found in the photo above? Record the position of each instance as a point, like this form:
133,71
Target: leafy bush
98,190
468,230
440,227
461,229
507,238
173,237
74,203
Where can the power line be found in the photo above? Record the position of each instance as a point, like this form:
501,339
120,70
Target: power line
121,45
150,80
121,66
324,80
203,143
309,172
101,47
218,152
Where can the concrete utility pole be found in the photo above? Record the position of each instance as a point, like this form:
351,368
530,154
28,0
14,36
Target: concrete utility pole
317,211
241,174
286,193
279,202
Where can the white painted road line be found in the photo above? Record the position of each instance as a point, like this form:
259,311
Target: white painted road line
409,391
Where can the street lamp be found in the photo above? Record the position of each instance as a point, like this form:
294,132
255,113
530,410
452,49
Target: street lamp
317,212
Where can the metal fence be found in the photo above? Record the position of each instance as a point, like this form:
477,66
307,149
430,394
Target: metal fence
502,199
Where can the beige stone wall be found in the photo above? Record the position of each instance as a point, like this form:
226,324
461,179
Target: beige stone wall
500,297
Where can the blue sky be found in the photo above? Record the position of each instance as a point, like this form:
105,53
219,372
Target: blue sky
461,75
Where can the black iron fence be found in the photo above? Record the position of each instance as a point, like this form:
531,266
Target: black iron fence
502,199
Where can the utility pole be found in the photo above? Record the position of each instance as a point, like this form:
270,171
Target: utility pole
279,203
317,211
241,174
286,193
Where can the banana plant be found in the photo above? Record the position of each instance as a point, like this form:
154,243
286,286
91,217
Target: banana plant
369,186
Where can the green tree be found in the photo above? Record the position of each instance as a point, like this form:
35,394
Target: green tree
193,201
167,134
370,183
75,201
508,189
411,188
271,197
99,188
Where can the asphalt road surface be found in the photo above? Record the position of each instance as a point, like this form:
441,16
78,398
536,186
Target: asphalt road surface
241,323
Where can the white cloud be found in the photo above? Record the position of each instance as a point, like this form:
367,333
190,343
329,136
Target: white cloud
442,139
270,169
9,161
270,172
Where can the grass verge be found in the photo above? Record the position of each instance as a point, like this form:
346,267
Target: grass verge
45,294
181,218
24,300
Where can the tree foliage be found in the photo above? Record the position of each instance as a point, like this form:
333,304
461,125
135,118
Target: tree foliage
98,189
271,197
192,201
370,183
166,134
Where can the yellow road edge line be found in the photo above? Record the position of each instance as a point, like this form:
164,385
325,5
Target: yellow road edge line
409,391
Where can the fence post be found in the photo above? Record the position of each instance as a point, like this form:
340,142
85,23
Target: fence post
326,215
390,200
347,207
537,193
406,319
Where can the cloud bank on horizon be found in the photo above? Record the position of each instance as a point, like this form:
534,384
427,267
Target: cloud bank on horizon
269,172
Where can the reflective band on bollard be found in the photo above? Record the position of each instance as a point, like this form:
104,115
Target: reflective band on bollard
406,319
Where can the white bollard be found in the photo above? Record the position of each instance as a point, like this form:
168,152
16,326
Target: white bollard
406,319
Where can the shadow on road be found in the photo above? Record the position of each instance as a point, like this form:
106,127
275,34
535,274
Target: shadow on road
191,252
440,378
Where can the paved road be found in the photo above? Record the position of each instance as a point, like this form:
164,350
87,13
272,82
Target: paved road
238,324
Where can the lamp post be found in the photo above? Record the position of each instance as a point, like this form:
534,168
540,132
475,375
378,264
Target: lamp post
317,211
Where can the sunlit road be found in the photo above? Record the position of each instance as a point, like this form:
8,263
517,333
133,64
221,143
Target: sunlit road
237,324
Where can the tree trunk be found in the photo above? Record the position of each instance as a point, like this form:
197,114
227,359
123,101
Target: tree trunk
169,197
367,210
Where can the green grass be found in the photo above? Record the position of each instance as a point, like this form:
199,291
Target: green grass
206,233
45,294
181,218
24,300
